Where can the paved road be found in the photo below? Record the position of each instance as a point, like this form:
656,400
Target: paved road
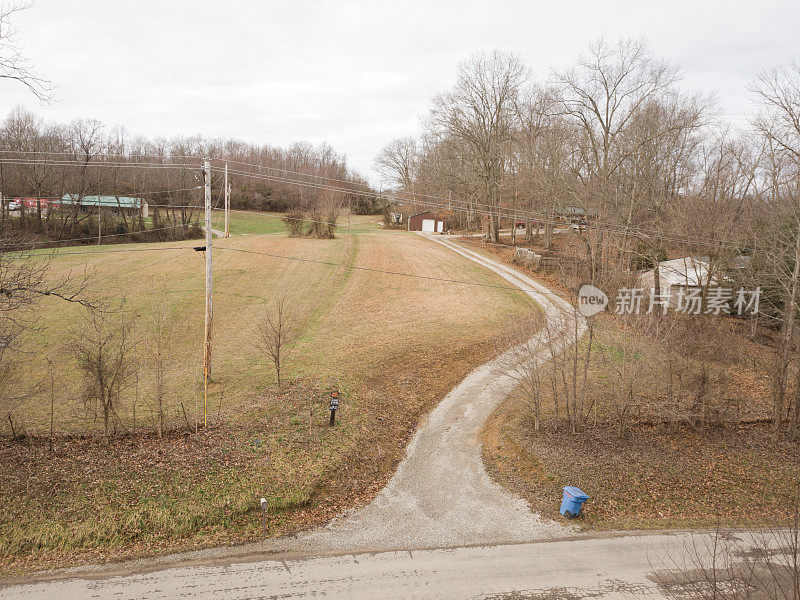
610,568
217,232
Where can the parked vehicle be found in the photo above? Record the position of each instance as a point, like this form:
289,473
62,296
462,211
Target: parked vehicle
14,204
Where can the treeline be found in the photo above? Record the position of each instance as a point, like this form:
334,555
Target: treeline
641,169
613,141
42,160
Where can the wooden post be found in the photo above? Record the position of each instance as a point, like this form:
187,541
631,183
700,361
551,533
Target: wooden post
209,308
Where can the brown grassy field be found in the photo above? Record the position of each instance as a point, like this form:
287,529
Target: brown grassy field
393,344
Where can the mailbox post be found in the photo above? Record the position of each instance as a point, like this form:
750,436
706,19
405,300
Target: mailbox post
333,406
264,508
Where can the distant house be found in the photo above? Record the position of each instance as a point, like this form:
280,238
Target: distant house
126,204
573,213
426,221
678,276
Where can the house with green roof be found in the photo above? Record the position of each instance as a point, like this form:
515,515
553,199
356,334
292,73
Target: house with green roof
128,204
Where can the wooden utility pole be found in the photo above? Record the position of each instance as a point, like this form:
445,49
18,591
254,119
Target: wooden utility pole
227,201
209,310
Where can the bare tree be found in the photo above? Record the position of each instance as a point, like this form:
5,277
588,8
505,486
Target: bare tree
278,333
23,284
398,162
158,354
478,112
543,142
13,65
603,94
102,346
779,93
602,97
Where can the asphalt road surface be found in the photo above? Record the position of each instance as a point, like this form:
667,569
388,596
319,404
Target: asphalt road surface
610,568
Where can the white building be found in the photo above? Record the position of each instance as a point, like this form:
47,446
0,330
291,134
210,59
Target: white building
678,276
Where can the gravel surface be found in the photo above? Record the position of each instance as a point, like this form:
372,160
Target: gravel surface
441,495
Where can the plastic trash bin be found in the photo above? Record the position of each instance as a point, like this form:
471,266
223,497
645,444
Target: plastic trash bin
572,501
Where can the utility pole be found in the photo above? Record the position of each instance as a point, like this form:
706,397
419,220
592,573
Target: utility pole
227,200
99,222
209,311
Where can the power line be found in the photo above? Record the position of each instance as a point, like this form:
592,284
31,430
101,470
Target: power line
188,189
97,164
54,199
415,199
284,170
81,239
382,271
184,157
59,252
503,212
483,209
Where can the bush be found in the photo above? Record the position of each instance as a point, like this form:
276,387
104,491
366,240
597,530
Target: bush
295,223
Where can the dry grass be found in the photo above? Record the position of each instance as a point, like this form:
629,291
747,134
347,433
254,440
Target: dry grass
395,345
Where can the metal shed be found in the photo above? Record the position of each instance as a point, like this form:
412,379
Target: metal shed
426,221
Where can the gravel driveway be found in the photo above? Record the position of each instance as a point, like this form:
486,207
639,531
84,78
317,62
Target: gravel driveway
440,494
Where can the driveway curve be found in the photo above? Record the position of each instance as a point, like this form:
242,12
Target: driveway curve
441,495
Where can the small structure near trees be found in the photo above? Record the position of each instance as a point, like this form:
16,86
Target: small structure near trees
677,277
426,221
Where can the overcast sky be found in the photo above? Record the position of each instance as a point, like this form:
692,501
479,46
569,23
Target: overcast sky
355,74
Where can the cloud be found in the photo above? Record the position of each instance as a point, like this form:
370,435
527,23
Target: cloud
354,74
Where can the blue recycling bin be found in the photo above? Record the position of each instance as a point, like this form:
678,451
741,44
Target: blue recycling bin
572,501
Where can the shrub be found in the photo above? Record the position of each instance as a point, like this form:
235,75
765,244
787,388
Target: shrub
295,223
